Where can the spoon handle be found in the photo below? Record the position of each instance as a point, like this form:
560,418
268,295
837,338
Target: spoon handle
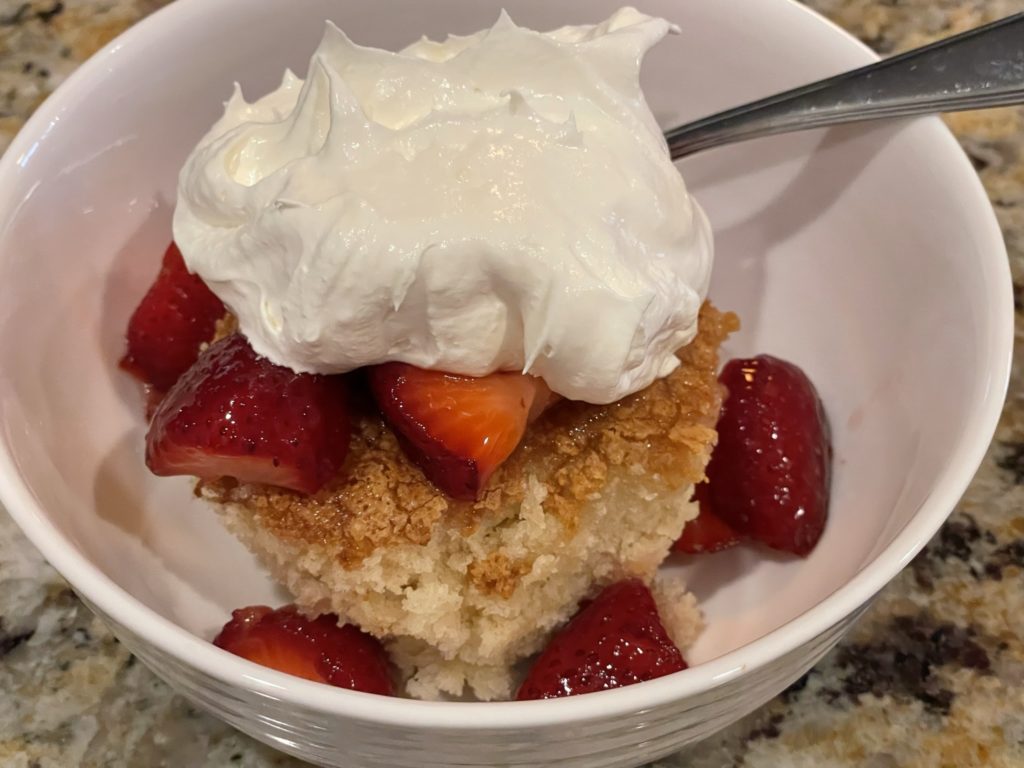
983,67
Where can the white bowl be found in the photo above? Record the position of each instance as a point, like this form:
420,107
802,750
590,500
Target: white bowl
870,256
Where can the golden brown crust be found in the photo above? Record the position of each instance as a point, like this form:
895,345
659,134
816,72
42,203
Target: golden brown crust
225,326
380,498
498,574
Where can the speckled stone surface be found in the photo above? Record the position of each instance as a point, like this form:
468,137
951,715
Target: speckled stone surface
933,676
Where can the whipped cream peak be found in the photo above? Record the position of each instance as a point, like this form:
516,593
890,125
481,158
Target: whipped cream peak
496,201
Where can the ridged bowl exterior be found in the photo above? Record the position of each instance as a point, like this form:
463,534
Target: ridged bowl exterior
614,742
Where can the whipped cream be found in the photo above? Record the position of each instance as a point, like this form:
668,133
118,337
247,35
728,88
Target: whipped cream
498,201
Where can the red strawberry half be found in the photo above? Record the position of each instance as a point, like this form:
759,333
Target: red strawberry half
457,429
316,649
175,317
769,476
616,640
236,414
708,532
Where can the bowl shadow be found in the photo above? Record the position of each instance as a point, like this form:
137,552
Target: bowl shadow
132,271
838,158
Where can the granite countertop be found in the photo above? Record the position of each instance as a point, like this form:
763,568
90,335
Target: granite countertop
932,676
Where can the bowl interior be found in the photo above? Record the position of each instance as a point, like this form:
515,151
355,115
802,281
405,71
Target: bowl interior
862,254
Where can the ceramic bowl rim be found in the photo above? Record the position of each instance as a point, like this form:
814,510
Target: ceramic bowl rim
232,671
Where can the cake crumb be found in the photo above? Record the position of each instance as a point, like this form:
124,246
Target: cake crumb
678,609
498,574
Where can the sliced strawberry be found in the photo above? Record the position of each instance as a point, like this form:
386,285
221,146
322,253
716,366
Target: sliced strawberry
708,532
616,640
457,429
236,414
769,476
316,649
175,317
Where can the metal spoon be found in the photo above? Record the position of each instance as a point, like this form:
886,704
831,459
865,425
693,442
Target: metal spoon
980,68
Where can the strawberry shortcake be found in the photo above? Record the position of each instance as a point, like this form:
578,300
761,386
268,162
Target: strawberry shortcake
434,338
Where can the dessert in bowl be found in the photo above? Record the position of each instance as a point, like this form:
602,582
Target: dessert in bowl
486,240
788,229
